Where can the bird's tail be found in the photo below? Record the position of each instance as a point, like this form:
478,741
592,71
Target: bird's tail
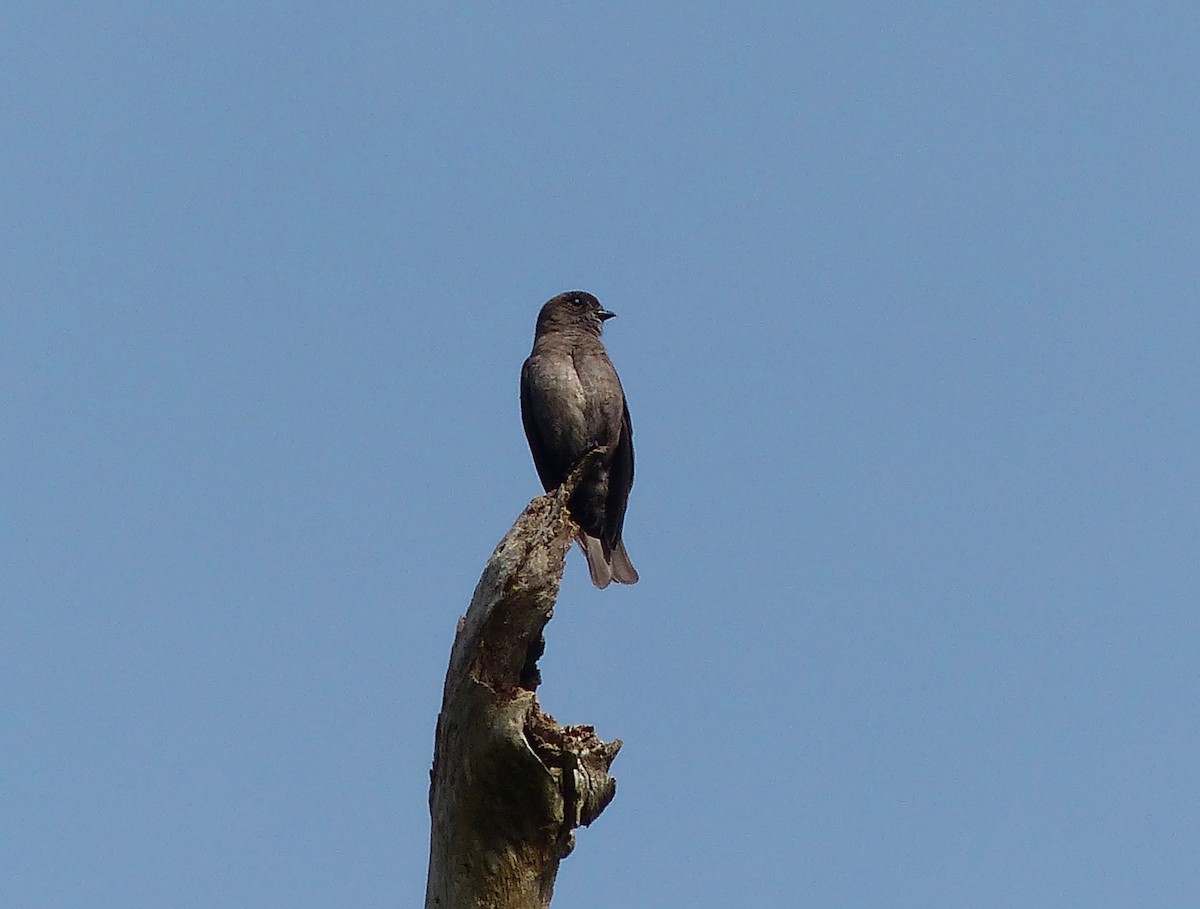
605,569
623,571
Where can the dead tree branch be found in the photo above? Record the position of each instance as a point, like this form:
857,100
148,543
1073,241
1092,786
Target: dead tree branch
509,785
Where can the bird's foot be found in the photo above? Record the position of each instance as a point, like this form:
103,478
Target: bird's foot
582,466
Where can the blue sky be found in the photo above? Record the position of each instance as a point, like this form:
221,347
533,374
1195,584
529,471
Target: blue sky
908,328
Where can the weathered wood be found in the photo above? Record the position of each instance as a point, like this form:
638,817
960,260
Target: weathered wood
509,785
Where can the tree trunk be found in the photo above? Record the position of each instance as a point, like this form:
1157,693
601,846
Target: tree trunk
509,785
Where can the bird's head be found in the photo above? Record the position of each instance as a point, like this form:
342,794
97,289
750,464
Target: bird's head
574,309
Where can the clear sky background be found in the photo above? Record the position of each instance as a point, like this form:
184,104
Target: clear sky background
908,327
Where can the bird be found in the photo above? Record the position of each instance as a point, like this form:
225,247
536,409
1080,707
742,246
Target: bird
572,403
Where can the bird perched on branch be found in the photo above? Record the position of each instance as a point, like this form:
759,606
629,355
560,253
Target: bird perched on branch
572,403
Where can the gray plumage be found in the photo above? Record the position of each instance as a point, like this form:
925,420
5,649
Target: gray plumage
572,402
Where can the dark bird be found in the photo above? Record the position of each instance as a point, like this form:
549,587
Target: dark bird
571,403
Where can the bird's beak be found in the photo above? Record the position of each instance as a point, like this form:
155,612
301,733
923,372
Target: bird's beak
605,314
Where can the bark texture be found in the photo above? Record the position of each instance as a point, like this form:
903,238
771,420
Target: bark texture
509,785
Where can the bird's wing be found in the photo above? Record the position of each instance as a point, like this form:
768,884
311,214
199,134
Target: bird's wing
620,478
546,468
